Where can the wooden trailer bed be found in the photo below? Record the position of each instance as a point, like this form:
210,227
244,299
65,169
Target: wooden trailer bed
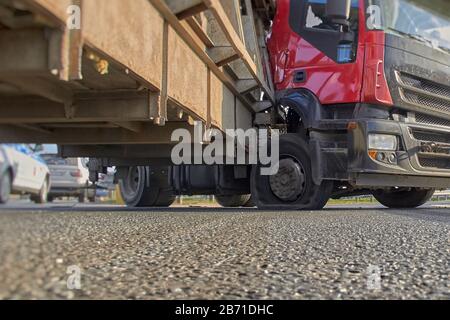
135,70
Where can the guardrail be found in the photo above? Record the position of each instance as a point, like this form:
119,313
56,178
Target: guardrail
442,196
438,196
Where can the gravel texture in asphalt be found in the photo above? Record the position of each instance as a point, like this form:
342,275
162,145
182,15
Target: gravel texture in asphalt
224,254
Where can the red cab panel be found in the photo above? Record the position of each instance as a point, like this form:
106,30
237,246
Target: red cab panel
296,63
375,88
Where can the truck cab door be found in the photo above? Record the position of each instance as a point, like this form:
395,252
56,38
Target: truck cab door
312,44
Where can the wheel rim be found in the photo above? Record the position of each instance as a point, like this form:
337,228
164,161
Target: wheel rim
289,183
5,187
130,185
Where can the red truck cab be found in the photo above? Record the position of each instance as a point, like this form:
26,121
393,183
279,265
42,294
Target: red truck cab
363,87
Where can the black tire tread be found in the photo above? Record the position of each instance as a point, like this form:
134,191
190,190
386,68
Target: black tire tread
233,201
317,197
404,199
156,194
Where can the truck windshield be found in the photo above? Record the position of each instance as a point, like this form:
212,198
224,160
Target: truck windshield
423,20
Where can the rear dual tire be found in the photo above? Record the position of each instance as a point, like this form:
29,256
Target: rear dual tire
146,187
234,201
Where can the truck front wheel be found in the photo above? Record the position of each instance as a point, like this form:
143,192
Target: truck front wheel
292,188
145,187
404,198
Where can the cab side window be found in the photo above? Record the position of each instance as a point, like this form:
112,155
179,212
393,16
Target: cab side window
308,19
316,16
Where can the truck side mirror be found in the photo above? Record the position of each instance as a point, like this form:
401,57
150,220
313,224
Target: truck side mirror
338,11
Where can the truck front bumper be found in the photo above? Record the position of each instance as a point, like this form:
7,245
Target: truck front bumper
422,159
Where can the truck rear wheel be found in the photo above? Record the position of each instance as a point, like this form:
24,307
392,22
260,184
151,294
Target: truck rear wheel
142,187
81,198
5,187
409,198
165,199
250,203
292,188
233,201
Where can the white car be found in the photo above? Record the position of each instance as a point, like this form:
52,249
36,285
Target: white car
70,178
23,172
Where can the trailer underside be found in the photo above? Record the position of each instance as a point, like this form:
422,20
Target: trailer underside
134,72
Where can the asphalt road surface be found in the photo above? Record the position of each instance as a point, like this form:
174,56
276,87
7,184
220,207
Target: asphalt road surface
193,253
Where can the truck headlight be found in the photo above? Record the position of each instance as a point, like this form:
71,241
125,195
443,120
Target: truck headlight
383,142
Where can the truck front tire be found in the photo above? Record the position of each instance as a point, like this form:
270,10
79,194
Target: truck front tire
292,188
234,201
406,199
142,187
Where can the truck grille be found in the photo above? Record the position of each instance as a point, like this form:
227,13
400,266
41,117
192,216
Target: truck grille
424,93
427,136
425,85
435,104
434,163
434,121
434,151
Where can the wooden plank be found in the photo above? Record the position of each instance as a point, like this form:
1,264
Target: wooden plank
56,8
187,76
247,85
222,105
251,38
200,32
183,6
161,117
130,32
232,9
235,41
75,50
192,11
199,51
232,36
222,55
